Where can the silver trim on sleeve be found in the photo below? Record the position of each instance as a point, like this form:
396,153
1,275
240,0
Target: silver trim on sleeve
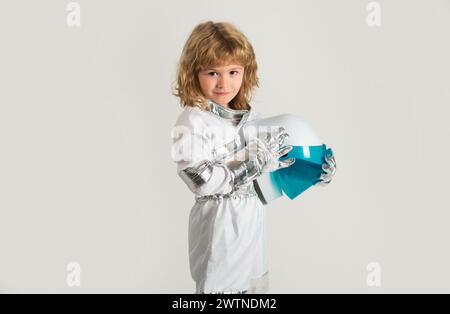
198,175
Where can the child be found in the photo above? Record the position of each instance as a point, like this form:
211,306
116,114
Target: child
227,224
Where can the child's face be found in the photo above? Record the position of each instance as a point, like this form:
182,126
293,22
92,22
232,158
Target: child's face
221,84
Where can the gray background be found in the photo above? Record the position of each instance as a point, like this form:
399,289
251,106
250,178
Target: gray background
85,121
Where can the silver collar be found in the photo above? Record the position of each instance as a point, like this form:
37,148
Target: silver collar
227,113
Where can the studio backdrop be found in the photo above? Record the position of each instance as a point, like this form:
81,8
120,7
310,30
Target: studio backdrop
90,200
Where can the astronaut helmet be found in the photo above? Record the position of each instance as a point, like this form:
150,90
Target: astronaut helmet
308,150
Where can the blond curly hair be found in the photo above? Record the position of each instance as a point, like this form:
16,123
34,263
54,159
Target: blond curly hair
213,45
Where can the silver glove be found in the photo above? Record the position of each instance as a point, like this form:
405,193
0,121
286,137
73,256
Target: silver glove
260,155
329,169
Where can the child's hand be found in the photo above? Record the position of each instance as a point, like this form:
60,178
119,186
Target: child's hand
270,148
329,169
260,155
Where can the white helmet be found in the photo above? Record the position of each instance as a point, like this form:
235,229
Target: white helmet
308,150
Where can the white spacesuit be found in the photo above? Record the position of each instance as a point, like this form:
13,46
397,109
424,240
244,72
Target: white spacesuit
229,172
227,224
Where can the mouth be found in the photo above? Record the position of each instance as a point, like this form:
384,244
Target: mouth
222,94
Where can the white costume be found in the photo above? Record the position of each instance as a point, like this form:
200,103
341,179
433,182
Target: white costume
227,227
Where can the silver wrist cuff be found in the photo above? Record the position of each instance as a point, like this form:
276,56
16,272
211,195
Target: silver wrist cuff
244,172
198,175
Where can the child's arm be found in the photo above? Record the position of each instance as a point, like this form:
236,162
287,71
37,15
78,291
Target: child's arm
205,176
195,164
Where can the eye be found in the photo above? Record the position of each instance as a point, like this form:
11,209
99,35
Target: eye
231,72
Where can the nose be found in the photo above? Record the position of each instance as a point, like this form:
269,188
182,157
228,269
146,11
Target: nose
221,82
